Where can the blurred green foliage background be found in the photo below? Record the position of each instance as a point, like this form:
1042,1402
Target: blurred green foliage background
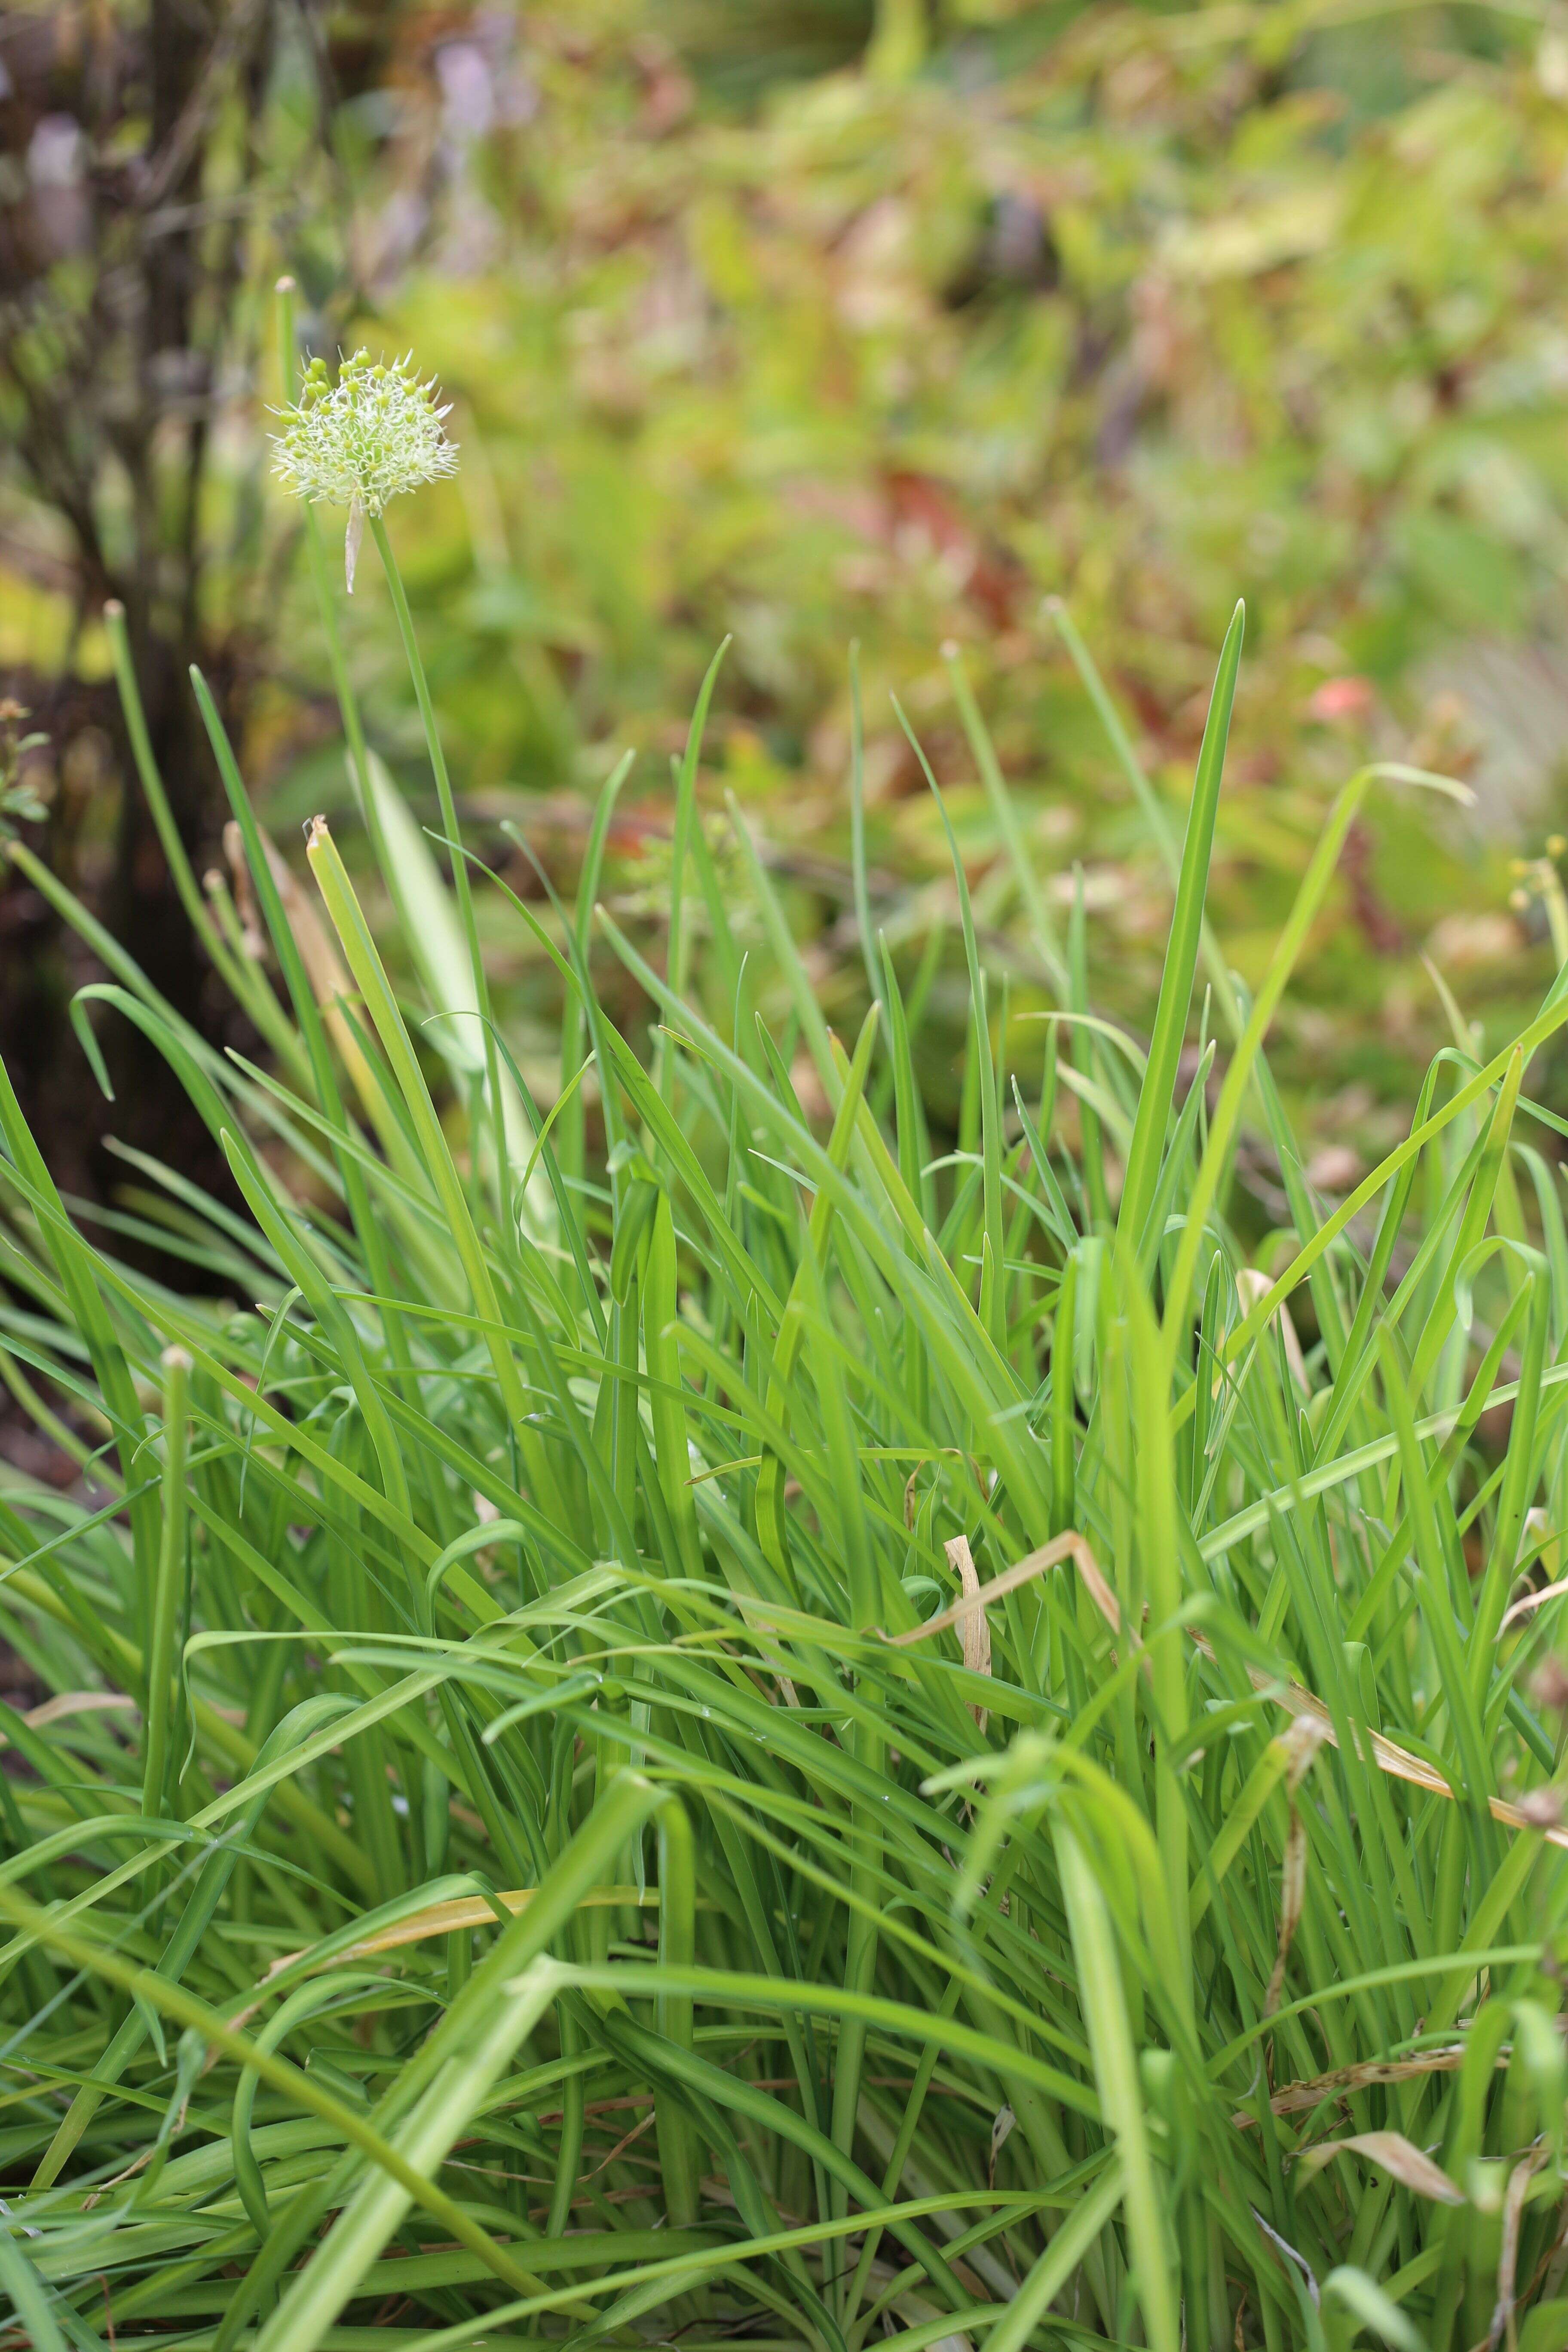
804,323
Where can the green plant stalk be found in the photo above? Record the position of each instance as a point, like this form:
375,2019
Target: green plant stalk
1148,800
237,976
1227,1111
293,1249
356,1191
803,1000
1092,1154
661,1350
868,936
1514,1501
686,818
171,1581
868,1743
1181,953
1547,1022
1155,1489
78,1278
680,2148
772,1521
893,2177
982,1067
1478,1211
371,978
29,2298
459,866
369,804
573,1018
1116,2072
1071,2246
1041,920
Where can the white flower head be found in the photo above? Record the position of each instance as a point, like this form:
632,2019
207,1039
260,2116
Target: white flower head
367,438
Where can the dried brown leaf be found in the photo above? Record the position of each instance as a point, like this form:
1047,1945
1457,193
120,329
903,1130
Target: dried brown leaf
1386,1754
973,1626
1251,1284
1392,2153
1298,2098
1302,1741
1518,2189
1070,1546
68,1703
1531,1600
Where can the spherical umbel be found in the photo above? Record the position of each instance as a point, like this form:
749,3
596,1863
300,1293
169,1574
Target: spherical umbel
370,437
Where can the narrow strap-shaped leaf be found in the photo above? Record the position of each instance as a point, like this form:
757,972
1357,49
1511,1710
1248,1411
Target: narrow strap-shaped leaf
1182,950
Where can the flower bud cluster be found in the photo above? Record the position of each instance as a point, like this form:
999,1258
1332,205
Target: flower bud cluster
363,440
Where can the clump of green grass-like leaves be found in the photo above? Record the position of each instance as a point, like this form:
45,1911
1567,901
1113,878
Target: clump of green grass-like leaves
756,1741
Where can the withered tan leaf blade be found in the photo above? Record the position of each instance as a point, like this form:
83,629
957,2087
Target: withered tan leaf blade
1251,1284
81,1702
1304,1738
1409,2165
1298,2099
1530,1601
467,1911
1070,1546
973,1626
1519,2181
1386,1754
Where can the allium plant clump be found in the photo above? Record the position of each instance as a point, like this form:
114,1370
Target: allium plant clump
665,1720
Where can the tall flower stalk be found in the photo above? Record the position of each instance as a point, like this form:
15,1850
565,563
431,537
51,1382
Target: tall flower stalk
376,434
